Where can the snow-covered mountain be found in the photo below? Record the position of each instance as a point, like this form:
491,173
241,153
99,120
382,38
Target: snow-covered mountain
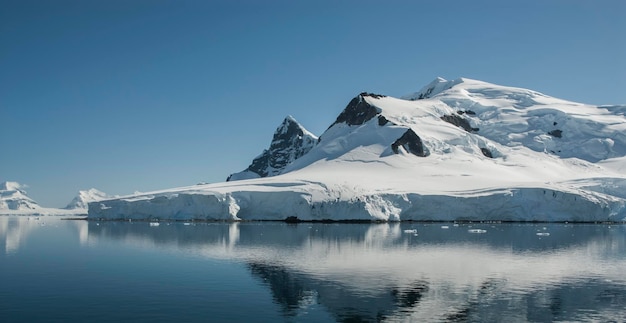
290,142
85,197
455,150
15,201
14,197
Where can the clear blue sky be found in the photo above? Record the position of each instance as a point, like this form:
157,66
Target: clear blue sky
144,95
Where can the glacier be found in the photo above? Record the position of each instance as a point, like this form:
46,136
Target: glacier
460,150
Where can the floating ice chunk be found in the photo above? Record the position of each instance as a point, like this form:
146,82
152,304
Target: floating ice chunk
445,227
543,234
477,231
154,224
410,231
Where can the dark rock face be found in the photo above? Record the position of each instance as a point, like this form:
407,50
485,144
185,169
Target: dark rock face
459,122
470,112
358,110
412,143
486,152
383,121
290,142
426,94
556,133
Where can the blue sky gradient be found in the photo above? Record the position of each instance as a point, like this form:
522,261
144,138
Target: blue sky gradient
131,96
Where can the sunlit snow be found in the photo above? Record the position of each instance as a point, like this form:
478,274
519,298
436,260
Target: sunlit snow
491,153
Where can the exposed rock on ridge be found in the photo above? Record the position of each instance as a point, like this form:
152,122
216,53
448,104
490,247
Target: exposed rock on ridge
459,122
358,110
290,141
412,143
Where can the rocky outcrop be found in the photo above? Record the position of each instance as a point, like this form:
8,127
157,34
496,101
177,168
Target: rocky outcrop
383,121
358,110
556,133
486,152
290,142
459,122
470,112
412,143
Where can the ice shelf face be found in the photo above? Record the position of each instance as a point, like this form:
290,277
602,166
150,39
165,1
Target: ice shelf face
455,150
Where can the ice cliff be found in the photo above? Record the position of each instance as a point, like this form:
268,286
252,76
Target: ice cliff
455,150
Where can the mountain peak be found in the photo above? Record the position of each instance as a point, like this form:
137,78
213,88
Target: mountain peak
433,88
13,197
85,197
290,141
358,110
11,186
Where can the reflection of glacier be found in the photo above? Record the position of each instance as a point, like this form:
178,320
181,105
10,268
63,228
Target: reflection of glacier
14,230
381,272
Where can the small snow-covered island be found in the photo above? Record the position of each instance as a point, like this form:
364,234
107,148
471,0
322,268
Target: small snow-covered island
460,150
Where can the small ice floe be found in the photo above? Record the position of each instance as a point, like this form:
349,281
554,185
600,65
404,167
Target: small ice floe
154,224
543,234
445,227
477,231
410,231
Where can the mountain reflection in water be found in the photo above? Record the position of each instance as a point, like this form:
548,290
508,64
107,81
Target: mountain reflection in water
393,272
418,272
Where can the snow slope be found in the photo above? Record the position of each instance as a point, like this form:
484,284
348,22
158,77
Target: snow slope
455,150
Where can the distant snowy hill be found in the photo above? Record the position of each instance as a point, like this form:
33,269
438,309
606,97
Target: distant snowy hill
290,142
454,150
13,197
85,197
15,201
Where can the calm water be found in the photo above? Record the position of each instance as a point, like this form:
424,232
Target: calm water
56,270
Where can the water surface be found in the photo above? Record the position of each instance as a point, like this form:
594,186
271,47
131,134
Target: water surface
56,270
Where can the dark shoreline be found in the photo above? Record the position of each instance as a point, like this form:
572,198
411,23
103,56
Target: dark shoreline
329,221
